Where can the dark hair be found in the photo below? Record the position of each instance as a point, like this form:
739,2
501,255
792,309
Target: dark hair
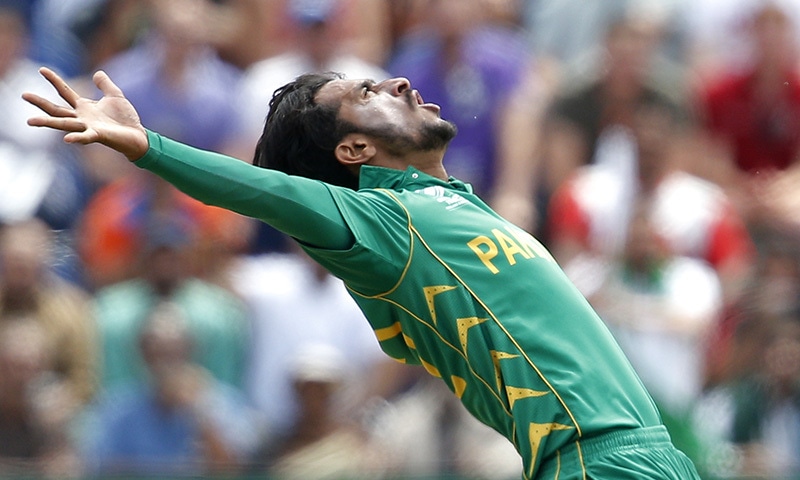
300,135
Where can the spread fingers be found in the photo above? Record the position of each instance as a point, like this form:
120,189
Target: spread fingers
65,124
62,87
47,106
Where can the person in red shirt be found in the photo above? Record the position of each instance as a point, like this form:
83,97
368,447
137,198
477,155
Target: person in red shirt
752,117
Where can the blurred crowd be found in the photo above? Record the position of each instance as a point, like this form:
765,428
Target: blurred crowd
653,145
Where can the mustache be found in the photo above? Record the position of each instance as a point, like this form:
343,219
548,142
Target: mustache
410,98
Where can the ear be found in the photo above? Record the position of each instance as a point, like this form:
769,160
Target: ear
355,149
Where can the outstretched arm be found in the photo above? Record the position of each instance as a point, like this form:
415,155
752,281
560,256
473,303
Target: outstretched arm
112,120
299,207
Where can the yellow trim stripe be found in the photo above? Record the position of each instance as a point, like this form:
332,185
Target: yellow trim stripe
445,342
391,331
580,458
502,327
410,253
558,464
430,368
517,393
382,297
459,385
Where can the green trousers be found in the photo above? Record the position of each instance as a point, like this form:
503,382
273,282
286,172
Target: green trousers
645,453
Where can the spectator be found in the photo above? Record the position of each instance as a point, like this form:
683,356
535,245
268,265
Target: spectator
660,307
255,30
29,287
605,97
720,34
36,408
766,405
566,32
160,74
430,435
60,30
102,30
752,117
590,213
112,232
217,319
295,303
322,444
736,411
773,291
180,421
34,174
471,67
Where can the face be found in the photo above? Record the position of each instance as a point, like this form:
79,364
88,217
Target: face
773,34
12,38
391,112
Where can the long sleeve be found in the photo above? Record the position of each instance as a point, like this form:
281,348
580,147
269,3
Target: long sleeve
297,206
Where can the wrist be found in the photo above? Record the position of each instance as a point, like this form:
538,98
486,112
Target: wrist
139,147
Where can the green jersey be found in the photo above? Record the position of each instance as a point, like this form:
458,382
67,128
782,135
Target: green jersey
448,284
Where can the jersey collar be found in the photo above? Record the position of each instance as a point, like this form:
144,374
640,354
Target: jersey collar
411,178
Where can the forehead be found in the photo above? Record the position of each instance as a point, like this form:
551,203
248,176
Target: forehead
338,90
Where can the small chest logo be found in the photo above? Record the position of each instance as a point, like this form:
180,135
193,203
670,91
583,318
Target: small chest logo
452,200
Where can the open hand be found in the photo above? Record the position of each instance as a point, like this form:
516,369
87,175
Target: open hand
111,121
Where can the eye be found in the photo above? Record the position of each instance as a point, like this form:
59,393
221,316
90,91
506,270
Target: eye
367,88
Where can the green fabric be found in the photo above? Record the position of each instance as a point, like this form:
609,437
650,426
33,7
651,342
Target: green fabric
448,284
298,207
645,453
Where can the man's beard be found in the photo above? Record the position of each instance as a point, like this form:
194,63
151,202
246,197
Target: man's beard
431,136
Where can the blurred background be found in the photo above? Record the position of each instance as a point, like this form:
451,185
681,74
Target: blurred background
653,145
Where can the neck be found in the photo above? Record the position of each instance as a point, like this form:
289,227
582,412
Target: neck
429,162
436,171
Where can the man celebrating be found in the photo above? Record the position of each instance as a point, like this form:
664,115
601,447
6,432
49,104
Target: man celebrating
354,173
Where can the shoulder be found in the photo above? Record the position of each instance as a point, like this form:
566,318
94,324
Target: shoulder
371,209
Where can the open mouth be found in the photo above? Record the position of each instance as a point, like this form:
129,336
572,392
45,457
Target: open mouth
428,106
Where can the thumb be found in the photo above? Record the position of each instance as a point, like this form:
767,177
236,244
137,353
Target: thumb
104,83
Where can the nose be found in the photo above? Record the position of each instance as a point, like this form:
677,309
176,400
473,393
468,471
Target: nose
395,86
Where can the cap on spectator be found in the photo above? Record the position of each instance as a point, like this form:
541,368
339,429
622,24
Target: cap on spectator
318,362
309,12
